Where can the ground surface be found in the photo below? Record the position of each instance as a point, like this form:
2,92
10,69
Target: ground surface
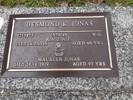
76,88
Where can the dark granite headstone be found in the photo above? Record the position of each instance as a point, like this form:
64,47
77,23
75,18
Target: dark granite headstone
57,45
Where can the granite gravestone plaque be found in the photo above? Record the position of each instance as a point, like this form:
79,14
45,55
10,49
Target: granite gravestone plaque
60,45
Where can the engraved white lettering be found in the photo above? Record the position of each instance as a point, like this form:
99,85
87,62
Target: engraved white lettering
79,63
59,23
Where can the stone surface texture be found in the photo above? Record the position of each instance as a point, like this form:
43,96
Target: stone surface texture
74,88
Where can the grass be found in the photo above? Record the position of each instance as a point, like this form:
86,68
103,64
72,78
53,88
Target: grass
120,2
54,3
41,3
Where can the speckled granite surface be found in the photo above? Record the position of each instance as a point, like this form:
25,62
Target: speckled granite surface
71,88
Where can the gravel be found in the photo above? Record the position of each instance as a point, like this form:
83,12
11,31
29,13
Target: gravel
72,88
